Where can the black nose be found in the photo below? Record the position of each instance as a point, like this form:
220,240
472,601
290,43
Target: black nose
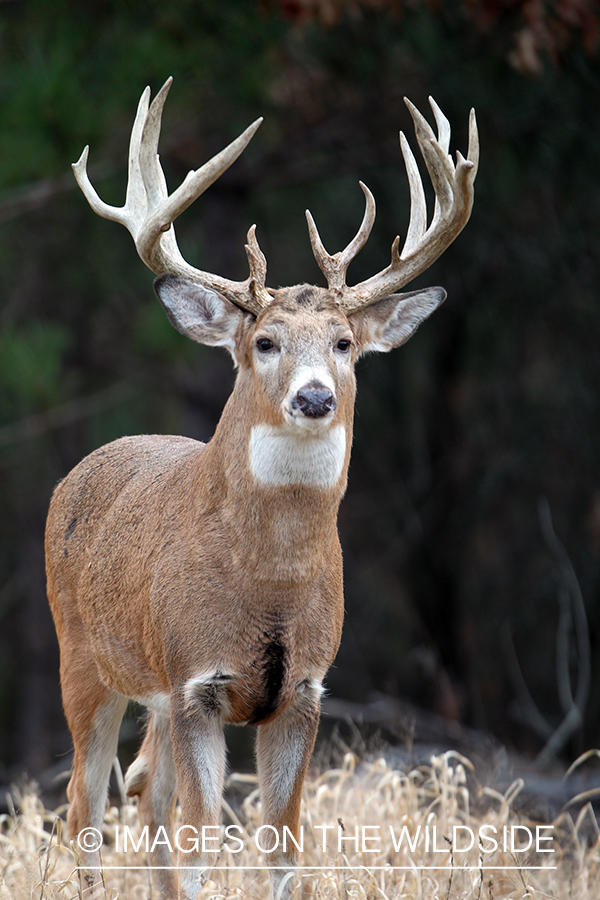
314,402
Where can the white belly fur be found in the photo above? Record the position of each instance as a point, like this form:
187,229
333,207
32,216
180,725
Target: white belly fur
280,457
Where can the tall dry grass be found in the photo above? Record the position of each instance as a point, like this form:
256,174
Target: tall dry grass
36,860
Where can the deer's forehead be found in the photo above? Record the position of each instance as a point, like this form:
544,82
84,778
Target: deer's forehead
304,323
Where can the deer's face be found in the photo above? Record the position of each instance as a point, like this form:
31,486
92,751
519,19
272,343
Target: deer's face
301,352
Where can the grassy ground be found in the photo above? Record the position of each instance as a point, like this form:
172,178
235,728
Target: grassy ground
363,800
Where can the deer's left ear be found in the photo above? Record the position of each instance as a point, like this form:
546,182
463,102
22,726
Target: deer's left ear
390,322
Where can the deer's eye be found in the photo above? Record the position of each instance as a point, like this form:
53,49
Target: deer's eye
264,345
343,346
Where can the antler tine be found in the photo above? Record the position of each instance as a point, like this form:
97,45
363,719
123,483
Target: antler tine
136,197
334,267
149,161
473,151
149,210
165,208
257,261
443,140
453,186
443,125
418,206
438,163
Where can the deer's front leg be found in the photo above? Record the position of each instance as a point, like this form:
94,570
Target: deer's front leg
199,755
283,751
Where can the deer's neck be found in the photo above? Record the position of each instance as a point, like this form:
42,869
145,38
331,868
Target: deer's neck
281,489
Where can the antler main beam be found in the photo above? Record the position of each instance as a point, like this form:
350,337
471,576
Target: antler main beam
453,186
149,210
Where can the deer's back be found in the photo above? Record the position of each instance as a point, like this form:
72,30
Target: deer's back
134,469
106,524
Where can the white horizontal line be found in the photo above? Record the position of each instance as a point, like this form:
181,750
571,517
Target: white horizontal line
321,868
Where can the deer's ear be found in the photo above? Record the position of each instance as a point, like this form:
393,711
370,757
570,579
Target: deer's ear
199,313
390,322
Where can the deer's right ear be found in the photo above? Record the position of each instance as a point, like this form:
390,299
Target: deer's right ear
199,313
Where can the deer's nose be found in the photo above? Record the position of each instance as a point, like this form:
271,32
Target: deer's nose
314,401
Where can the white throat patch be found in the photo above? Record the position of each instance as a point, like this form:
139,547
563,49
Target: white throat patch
281,457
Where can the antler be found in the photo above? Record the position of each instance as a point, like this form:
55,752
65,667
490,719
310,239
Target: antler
454,200
149,210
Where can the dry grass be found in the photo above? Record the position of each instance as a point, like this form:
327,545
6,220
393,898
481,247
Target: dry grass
37,862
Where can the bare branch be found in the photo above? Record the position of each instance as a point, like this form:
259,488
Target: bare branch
526,707
572,606
569,590
33,196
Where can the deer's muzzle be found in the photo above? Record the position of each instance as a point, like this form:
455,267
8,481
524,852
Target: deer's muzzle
314,401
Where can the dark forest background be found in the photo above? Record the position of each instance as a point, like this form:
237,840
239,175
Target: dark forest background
471,527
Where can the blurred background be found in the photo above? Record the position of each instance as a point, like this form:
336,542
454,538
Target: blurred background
471,527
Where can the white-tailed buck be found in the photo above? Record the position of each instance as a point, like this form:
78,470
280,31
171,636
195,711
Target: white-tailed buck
205,580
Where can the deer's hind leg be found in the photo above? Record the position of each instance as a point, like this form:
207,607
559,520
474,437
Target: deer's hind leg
151,777
94,714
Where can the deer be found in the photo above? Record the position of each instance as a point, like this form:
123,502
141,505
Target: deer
204,580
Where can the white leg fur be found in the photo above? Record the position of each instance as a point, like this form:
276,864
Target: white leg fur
152,777
99,758
199,752
164,781
283,752
101,753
